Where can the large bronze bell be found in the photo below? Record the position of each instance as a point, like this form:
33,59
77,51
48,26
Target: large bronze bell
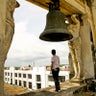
56,28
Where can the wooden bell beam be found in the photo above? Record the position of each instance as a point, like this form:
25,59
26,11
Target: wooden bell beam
67,6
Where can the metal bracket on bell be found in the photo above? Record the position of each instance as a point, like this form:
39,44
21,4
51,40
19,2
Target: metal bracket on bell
50,4
54,5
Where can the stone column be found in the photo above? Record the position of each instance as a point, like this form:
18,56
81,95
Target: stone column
93,10
86,53
1,79
93,22
6,33
90,6
2,31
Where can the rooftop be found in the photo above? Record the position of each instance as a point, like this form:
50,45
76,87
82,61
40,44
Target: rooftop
12,90
67,88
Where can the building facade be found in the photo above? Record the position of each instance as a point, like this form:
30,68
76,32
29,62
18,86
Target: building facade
33,78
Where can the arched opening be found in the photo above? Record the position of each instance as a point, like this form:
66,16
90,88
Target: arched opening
26,46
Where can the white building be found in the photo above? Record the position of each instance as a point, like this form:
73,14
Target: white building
33,78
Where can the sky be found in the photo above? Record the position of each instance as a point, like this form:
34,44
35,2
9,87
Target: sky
26,48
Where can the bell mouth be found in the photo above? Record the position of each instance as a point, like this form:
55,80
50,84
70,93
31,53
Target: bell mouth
55,37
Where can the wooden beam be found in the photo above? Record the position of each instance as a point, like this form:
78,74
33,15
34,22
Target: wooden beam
67,6
78,5
38,3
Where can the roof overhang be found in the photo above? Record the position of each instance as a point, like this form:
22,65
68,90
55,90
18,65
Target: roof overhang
68,7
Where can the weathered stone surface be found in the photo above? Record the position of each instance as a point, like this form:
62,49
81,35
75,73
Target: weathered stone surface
86,53
66,89
75,44
2,31
6,33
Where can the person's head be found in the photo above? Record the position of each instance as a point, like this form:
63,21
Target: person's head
53,51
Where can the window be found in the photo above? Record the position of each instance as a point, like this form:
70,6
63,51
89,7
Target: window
19,82
5,79
24,75
19,74
30,85
15,74
5,73
15,82
38,85
50,78
38,77
24,83
29,76
11,81
8,73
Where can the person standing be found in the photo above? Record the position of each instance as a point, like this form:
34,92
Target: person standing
55,62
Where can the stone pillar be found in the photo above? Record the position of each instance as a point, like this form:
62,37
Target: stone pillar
93,10
2,31
90,6
6,33
9,30
1,79
87,66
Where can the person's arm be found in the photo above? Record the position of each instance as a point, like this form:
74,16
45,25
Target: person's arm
51,67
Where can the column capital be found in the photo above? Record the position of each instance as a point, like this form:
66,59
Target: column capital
84,17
